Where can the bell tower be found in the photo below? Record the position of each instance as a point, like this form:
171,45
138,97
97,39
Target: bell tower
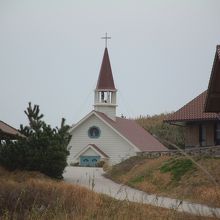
105,92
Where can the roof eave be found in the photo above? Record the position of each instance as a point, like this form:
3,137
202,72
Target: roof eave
106,89
190,120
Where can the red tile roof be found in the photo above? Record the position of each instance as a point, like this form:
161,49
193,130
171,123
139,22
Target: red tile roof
134,133
192,111
99,150
218,51
212,103
7,129
105,80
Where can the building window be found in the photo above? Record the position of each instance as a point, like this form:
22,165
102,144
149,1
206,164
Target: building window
94,132
217,133
202,135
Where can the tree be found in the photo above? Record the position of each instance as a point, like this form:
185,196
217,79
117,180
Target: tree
44,149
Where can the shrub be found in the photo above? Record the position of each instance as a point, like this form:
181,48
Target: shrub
100,163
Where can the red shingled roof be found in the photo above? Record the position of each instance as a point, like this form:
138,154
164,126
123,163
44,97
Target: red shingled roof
7,129
218,51
134,133
192,111
105,80
213,96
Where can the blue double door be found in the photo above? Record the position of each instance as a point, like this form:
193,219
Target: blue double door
89,161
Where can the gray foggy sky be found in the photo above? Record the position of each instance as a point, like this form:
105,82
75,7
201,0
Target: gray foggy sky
161,54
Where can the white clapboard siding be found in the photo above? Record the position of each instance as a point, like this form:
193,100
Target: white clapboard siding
109,141
90,152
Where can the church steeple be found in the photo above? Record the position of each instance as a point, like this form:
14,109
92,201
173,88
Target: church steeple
105,92
105,80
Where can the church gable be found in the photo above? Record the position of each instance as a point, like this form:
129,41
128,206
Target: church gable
92,150
89,152
107,122
108,141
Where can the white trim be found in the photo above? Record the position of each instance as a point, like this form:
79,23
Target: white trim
117,132
105,90
85,149
105,104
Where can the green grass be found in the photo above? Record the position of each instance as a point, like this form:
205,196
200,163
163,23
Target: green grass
177,167
137,179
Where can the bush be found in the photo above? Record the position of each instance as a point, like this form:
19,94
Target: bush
44,149
100,163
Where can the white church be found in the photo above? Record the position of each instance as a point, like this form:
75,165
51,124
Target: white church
101,135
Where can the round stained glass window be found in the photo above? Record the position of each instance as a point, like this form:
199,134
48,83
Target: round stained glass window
94,132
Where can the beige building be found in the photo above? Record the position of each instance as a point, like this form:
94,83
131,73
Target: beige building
201,129
201,116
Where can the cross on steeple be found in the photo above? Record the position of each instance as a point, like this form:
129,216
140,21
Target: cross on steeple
106,39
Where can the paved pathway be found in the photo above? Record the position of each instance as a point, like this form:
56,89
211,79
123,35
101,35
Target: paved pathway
92,178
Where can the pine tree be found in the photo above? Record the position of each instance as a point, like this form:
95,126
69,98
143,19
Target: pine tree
44,149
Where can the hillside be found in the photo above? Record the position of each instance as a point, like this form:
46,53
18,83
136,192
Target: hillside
31,195
174,177
163,131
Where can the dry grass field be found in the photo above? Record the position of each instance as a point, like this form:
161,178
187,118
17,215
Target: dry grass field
174,177
31,195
